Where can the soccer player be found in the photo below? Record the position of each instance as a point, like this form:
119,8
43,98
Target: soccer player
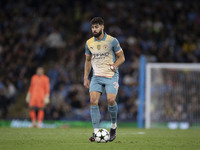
104,55
38,96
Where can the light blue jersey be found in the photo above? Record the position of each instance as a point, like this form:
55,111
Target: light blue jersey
103,54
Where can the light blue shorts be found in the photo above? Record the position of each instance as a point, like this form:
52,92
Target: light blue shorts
100,83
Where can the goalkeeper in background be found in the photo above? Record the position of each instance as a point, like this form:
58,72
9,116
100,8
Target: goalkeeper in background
38,96
104,54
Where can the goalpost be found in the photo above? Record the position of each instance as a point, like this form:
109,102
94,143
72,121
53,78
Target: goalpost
172,94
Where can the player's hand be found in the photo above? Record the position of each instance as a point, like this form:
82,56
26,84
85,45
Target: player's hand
46,99
28,96
112,67
86,83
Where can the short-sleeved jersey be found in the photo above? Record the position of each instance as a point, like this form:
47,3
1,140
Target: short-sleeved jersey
103,54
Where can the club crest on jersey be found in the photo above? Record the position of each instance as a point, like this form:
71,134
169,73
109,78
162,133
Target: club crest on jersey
105,47
98,47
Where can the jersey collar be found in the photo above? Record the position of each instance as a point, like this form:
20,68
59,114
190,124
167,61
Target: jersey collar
103,39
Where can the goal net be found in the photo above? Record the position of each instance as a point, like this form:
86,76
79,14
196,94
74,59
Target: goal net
172,94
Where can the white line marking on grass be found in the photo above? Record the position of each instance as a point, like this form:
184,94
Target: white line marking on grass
141,133
133,133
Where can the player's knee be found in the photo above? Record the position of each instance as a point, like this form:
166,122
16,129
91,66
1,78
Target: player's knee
93,102
111,101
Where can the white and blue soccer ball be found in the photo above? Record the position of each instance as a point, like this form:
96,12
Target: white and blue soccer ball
102,136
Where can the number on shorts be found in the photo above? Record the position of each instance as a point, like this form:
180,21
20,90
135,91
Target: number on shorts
116,85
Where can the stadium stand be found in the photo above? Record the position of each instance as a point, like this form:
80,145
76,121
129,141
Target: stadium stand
53,34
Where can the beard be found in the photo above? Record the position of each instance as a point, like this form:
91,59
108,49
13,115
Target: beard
97,34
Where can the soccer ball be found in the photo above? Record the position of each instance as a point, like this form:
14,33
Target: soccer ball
102,136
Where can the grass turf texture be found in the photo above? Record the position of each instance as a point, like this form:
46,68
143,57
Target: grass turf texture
77,138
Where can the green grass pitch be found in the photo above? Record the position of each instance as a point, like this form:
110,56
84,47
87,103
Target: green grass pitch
77,139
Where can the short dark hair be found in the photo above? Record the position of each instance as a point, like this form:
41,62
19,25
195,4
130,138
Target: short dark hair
97,20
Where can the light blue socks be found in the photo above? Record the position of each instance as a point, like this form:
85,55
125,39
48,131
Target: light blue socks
113,113
95,116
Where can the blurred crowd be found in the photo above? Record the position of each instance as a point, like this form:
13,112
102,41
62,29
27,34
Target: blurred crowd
53,34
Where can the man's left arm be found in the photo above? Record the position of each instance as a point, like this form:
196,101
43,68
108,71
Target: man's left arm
47,90
120,59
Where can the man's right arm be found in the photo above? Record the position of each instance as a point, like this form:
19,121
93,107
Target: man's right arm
28,95
87,70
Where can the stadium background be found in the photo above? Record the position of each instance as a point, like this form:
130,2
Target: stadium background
53,34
